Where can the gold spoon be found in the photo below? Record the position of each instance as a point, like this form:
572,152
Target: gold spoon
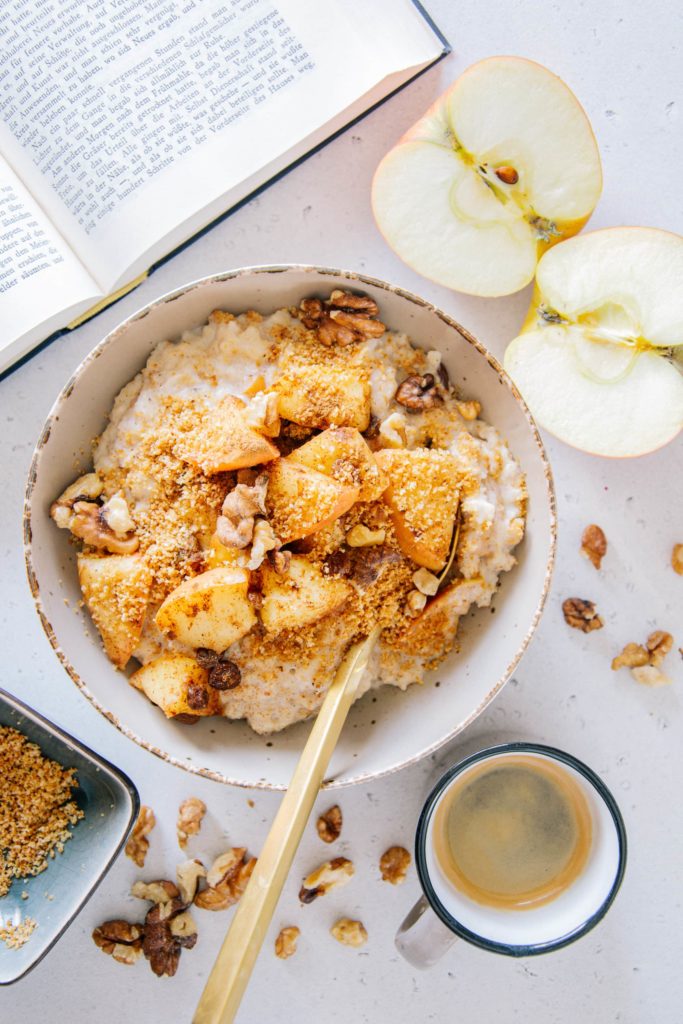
230,974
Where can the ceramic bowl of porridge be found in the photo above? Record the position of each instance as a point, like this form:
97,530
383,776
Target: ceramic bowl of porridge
252,473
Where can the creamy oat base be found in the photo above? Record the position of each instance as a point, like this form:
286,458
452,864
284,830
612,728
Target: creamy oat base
279,367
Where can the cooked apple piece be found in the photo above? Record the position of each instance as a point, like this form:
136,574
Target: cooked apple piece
217,555
594,359
342,453
319,395
210,610
178,685
503,165
301,501
220,439
423,499
300,596
116,590
433,632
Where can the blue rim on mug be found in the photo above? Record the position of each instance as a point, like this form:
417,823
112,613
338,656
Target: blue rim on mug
447,918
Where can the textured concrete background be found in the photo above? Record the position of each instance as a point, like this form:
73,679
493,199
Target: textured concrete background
624,61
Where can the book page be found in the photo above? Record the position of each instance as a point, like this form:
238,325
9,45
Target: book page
126,119
40,278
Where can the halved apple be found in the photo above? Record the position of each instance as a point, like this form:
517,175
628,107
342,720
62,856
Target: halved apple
502,166
597,357
210,610
343,454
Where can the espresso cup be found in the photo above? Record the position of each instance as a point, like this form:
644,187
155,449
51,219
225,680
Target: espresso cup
447,912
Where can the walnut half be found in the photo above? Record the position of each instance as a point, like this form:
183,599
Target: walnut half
120,939
227,879
342,319
581,614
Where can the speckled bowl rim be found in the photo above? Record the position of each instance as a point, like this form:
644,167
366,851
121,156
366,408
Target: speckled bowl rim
356,279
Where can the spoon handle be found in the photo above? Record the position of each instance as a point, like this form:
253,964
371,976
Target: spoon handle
229,977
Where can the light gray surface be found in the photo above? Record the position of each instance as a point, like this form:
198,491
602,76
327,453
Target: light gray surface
624,60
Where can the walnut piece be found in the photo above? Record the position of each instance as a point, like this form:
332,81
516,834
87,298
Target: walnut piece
160,945
342,319
227,877
594,544
650,675
677,559
631,656
187,877
86,488
468,410
263,541
90,525
329,824
349,932
659,644
235,525
329,875
138,844
394,864
285,943
160,891
120,939
190,815
415,603
644,662
426,582
581,614
360,536
417,393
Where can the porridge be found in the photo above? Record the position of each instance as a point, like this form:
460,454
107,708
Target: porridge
270,488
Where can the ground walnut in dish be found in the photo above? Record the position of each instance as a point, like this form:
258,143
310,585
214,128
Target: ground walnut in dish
267,490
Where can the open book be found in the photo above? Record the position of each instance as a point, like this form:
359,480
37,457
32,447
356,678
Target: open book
127,127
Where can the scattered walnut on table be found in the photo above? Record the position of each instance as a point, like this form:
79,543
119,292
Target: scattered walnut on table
227,879
286,942
162,944
329,824
329,875
159,891
677,559
342,319
190,815
138,844
594,544
644,661
120,939
187,877
581,614
349,932
394,864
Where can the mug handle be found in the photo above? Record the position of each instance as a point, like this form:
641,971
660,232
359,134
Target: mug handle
423,938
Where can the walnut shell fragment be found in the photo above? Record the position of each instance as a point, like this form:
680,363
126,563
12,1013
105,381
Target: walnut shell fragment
581,614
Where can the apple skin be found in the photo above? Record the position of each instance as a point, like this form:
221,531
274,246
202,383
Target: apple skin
531,322
435,125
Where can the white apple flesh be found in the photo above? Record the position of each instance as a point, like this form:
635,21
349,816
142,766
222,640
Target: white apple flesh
502,166
596,360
